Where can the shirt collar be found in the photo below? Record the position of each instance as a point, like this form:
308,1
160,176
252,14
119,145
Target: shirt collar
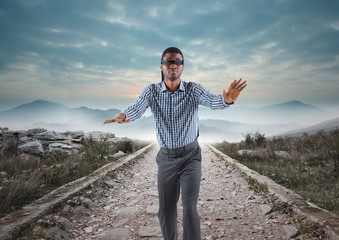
164,88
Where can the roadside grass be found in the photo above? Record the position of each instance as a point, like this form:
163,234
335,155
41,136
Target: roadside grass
310,166
25,180
257,186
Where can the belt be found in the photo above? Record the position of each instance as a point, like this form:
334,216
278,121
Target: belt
176,152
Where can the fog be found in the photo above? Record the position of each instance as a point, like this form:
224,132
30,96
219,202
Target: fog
231,124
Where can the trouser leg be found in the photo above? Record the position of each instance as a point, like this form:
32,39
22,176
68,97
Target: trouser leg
168,190
190,178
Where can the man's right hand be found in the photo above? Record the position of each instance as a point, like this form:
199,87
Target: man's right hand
120,118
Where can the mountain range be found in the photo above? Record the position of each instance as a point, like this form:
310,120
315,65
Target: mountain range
283,113
215,125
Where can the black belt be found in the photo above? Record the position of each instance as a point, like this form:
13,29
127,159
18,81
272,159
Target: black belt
177,152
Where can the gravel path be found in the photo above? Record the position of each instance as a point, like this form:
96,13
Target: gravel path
125,206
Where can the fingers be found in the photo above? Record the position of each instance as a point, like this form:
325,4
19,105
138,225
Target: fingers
127,120
239,84
118,119
109,121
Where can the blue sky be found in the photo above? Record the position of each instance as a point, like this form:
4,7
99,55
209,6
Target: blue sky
101,54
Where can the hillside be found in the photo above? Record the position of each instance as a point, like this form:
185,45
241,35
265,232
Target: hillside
294,112
322,126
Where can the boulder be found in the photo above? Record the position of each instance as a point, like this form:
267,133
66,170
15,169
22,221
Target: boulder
98,136
25,139
75,134
34,147
246,152
40,141
34,131
282,154
59,148
52,136
118,154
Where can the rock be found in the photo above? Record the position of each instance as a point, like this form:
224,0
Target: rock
52,136
127,211
110,183
88,229
88,203
121,223
34,131
116,234
282,154
152,209
265,209
118,154
25,139
34,147
98,136
75,134
65,224
55,233
60,148
54,142
246,152
150,232
3,129
290,232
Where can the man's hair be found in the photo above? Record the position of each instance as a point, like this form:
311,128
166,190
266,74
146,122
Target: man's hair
170,50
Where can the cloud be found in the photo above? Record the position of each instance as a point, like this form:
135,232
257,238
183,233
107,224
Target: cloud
114,47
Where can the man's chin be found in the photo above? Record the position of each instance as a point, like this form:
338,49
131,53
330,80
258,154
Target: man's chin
173,78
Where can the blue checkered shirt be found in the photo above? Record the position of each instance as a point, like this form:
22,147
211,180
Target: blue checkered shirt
175,114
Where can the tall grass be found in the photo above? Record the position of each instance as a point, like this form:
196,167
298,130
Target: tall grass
310,167
25,180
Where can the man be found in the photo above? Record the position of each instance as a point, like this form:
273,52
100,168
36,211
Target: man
174,104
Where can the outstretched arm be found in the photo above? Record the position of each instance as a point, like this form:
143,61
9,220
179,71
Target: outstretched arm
234,91
120,118
134,111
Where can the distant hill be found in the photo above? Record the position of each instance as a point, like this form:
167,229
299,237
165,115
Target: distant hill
33,110
41,113
235,131
215,125
282,113
322,126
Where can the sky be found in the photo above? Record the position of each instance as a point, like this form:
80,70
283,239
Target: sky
101,54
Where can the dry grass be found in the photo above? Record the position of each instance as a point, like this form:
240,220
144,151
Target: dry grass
25,180
312,170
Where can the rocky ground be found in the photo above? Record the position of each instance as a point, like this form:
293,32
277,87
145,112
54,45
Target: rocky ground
124,206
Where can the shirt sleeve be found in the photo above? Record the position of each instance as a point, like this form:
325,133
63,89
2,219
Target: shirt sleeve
207,99
138,108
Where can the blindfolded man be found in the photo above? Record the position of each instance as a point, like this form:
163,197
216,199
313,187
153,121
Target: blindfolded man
174,104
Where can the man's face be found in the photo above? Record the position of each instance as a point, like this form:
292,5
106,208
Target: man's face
172,70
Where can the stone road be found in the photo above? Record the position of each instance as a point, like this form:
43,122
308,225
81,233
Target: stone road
124,206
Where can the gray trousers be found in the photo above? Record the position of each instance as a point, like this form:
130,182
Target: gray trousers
179,169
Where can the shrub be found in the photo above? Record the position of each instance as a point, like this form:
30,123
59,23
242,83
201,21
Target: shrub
253,140
56,174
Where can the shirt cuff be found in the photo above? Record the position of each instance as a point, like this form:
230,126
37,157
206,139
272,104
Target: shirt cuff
224,103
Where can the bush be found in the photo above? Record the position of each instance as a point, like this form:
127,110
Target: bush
253,140
56,175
